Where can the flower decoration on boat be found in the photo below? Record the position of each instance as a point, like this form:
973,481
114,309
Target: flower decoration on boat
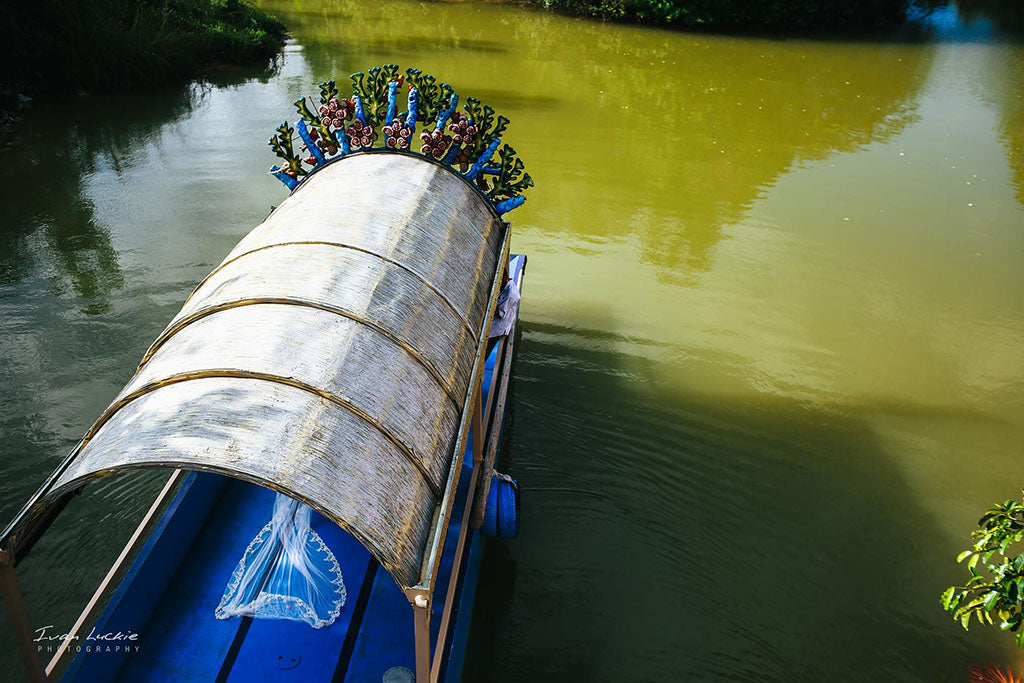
398,133
319,131
467,141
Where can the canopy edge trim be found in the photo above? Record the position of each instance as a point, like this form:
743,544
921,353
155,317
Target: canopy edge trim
407,451
342,245
238,303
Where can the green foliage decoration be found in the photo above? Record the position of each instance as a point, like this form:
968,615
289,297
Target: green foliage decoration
281,143
433,97
489,128
468,143
509,180
995,589
327,136
328,92
372,89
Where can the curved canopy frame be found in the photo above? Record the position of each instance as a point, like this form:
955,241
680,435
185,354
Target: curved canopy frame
332,357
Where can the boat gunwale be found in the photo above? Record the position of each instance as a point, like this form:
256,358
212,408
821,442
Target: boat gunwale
439,525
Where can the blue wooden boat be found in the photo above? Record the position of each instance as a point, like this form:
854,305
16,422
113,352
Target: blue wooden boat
338,364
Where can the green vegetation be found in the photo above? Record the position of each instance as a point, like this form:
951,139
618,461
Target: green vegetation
56,46
773,14
995,590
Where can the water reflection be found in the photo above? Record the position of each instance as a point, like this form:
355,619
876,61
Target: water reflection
49,225
1009,96
647,128
1000,78
80,301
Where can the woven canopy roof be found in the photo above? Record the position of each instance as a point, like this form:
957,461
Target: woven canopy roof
328,357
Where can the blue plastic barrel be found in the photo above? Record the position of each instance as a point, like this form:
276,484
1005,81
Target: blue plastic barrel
501,516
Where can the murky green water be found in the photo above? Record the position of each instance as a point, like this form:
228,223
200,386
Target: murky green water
773,344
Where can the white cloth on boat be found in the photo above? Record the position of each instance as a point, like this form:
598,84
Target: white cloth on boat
287,572
505,311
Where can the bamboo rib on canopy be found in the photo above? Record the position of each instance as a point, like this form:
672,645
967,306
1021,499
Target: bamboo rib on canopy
327,357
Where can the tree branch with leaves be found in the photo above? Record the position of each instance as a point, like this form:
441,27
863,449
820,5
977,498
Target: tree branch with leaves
995,589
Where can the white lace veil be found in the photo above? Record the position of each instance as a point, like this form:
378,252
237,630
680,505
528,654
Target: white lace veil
287,572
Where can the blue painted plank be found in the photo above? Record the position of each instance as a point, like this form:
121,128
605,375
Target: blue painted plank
135,599
184,641
460,634
182,638
386,638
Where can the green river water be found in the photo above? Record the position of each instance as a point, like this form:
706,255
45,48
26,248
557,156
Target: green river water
772,361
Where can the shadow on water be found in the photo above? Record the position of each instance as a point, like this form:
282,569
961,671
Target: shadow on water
673,535
1008,94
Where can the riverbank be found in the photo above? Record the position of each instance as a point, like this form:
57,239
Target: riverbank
832,15
59,48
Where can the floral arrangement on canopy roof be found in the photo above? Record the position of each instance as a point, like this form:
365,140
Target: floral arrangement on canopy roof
469,143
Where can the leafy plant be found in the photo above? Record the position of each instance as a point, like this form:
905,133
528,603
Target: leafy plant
995,589
793,14
105,45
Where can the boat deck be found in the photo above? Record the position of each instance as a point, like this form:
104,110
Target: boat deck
170,592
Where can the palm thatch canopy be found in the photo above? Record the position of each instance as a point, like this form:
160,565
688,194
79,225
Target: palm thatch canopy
328,357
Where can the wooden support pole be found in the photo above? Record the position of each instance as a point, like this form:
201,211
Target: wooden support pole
134,543
17,613
499,387
453,579
492,398
421,626
478,429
